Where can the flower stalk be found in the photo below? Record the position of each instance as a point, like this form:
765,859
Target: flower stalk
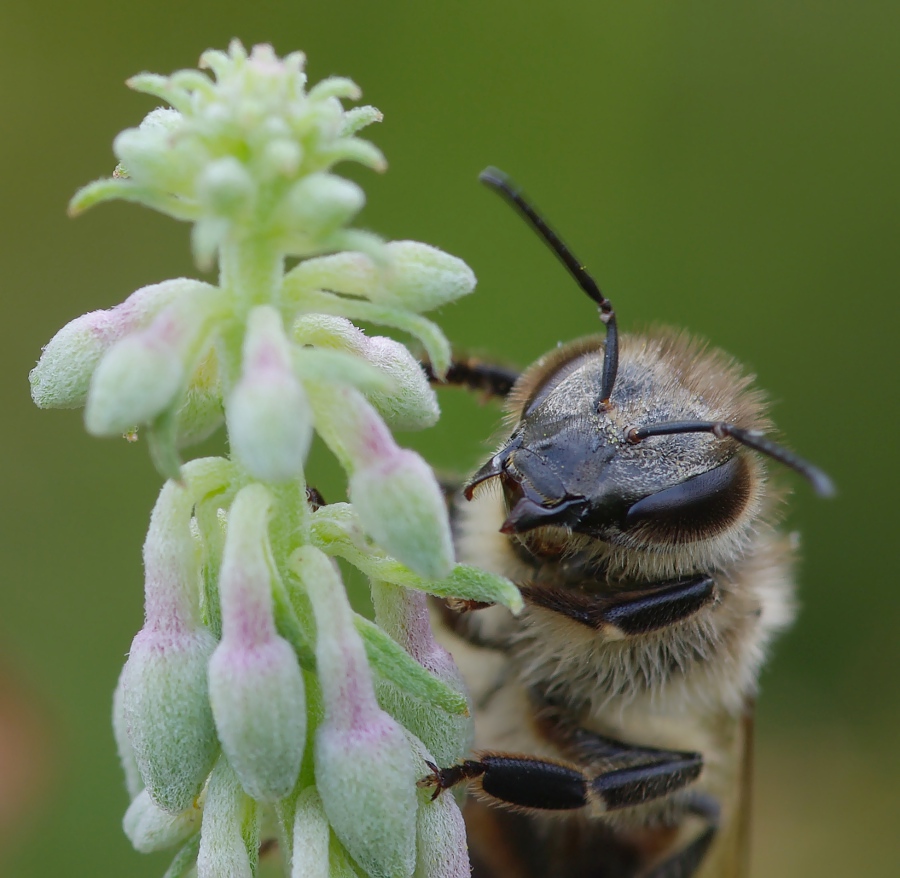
254,696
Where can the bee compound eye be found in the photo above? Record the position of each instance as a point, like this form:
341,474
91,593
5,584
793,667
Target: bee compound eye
701,504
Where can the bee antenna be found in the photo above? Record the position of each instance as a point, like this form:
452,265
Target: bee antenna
754,439
498,181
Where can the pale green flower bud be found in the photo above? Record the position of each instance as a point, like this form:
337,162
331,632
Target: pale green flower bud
229,836
365,770
141,375
416,276
225,188
165,701
321,203
133,782
201,411
145,152
403,613
410,403
421,277
441,849
268,414
310,837
151,829
255,684
63,373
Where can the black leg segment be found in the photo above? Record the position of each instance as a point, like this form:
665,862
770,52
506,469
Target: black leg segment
473,374
547,785
626,787
635,612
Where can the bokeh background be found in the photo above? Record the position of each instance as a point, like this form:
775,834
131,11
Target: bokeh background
728,167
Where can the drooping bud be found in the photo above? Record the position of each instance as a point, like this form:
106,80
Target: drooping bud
150,829
268,414
392,489
365,771
63,373
229,835
141,375
410,404
255,683
403,614
165,700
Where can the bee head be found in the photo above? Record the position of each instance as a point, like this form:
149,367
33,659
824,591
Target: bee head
640,450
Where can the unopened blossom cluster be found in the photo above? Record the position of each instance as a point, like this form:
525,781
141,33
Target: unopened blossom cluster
255,704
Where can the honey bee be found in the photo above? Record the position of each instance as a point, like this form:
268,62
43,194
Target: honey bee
613,717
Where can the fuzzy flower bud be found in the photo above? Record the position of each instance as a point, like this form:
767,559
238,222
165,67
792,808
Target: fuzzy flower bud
229,835
63,373
165,702
133,782
310,837
410,404
441,849
255,684
365,770
249,135
392,489
268,414
401,507
321,204
403,613
149,828
141,375
417,277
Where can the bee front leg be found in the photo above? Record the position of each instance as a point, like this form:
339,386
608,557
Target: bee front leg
532,782
640,611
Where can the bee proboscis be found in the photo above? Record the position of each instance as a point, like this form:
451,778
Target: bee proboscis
613,718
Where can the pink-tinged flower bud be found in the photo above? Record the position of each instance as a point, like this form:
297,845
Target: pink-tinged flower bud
255,683
310,837
150,829
165,702
409,403
268,414
400,505
403,613
229,835
392,489
63,373
365,770
141,375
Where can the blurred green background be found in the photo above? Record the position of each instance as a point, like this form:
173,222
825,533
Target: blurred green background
728,167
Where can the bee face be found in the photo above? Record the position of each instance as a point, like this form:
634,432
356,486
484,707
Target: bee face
569,462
